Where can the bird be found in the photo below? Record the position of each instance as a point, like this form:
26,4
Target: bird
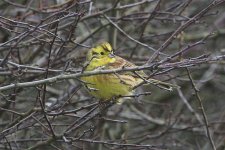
109,86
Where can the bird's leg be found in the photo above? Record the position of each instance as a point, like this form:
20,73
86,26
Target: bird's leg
102,104
101,117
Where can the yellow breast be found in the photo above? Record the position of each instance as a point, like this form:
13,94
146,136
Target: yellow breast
107,86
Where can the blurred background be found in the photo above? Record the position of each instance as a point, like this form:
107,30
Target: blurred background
42,41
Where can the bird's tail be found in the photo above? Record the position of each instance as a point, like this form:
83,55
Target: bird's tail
162,85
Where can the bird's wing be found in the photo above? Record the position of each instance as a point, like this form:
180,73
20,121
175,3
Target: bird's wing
138,75
127,77
122,63
119,63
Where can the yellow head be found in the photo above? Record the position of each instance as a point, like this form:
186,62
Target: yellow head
100,55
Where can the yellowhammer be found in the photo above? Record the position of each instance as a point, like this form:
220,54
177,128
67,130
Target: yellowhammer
108,86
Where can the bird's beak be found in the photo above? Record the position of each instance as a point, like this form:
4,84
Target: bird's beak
111,55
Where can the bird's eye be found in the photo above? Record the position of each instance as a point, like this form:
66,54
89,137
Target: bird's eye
102,53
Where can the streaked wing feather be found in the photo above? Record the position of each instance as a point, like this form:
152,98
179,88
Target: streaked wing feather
127,77
122,63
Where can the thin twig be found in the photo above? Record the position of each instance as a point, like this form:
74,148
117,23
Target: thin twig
201,107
